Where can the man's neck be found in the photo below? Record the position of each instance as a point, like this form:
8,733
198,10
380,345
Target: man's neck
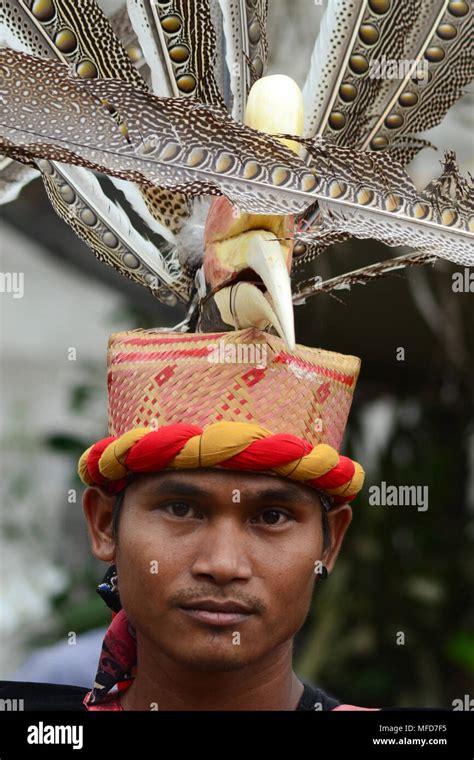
162,684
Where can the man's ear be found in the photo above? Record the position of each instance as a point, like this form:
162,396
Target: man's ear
339,519
98,505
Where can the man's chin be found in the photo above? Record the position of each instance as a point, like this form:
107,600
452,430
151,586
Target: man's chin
214,662
211,655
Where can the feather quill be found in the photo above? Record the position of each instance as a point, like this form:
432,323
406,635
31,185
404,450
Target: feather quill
179,44
362,276
151,39
337,33
244,25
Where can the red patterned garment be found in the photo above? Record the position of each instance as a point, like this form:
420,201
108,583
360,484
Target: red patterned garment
117,663
110,702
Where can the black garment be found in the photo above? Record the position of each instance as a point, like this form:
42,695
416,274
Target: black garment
50,696
315,699
43,696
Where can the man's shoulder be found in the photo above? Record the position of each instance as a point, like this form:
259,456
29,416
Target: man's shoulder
28,696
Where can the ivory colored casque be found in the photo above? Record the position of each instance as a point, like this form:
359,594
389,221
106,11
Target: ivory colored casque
237,241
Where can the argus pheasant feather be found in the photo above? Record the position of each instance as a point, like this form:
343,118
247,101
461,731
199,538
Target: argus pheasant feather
243,177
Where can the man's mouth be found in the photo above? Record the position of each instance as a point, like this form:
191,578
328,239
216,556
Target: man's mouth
217,613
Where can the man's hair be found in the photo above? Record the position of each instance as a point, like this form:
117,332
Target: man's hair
326,504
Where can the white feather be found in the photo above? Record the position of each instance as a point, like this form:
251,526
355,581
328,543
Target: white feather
191,236
334,43
8,39
143,24
88,187
135,198
236,44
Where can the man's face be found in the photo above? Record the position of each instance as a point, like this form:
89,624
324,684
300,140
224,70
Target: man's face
203,538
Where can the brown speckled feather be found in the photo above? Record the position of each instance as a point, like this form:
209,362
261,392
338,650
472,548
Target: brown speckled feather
198,149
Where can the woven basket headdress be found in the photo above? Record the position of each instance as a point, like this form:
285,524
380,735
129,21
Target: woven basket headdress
233,400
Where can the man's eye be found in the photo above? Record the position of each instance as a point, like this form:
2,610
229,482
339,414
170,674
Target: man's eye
179,509
272,517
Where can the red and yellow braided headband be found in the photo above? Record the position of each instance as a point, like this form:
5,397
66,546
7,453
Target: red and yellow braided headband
228,444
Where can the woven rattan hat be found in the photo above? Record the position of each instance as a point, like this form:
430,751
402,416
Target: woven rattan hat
234,400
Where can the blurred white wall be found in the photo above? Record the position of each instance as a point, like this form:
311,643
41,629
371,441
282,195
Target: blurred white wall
59,310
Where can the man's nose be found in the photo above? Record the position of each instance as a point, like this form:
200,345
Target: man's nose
223,552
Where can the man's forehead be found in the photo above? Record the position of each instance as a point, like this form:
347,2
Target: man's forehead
209,480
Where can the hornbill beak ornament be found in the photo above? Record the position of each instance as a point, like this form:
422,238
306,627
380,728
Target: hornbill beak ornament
247,257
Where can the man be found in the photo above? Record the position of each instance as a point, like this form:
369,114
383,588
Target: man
218,508
234,582
212,536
